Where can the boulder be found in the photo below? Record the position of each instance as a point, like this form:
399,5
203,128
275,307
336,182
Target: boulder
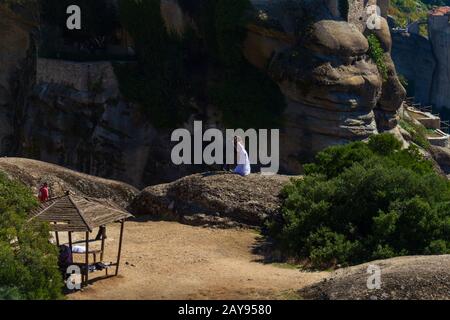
442,156
214,198
33,173
402,278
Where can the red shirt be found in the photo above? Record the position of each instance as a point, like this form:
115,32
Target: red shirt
43,194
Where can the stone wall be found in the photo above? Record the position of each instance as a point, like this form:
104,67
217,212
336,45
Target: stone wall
87,76
17,69
413,58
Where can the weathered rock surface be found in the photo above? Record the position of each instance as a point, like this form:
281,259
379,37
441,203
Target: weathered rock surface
214,198
439,34
414,59
33,173
76,117
442,156
17,71
402,278
334,91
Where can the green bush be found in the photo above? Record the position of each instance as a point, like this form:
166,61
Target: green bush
360,202
376,52
28,262
246,96
417,131
248,99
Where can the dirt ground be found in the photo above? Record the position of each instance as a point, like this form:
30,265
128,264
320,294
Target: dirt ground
168,260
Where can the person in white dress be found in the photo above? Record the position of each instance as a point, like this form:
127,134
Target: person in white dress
243,162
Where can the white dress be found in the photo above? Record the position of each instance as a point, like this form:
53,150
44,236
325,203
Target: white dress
243,167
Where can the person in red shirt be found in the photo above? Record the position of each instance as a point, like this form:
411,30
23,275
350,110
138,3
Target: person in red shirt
43,193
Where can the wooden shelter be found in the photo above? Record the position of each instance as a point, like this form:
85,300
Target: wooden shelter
72,213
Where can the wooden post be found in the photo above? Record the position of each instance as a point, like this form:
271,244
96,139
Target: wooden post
70,244
122,223
56,235
86,279
57,238
103,243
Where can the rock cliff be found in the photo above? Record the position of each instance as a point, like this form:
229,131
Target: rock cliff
214,199
17,68
76,116
414,59
402,278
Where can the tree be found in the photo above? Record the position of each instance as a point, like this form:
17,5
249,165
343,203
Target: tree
28,262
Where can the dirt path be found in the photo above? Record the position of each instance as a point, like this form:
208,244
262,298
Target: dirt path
165,260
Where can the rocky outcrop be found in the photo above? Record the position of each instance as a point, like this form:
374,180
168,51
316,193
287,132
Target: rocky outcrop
334,91
414,59
403,278
33,173
439,34
17,68
214,199
76,116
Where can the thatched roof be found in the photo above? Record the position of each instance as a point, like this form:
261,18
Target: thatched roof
78,213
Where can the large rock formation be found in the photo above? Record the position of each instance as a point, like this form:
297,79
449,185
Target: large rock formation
403,278
76,117
414,59
334,91
439,34
213,198
33,173
17,67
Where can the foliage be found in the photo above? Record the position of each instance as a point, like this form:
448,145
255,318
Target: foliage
28,262
164,80
376,52
160,78
248,99
360,202
406,11
418,133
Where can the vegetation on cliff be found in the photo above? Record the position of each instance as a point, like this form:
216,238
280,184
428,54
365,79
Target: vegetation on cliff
28,262
164,81
376,52
406,11
361,202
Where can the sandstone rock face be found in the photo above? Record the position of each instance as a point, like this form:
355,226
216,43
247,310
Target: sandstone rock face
17,71
403,278
33,173
77,118
442,156
439,34
413,58
75,115
334,91
213,198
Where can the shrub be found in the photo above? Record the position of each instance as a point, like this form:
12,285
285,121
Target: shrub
388,202
376,52
28,262
248,99
417,131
